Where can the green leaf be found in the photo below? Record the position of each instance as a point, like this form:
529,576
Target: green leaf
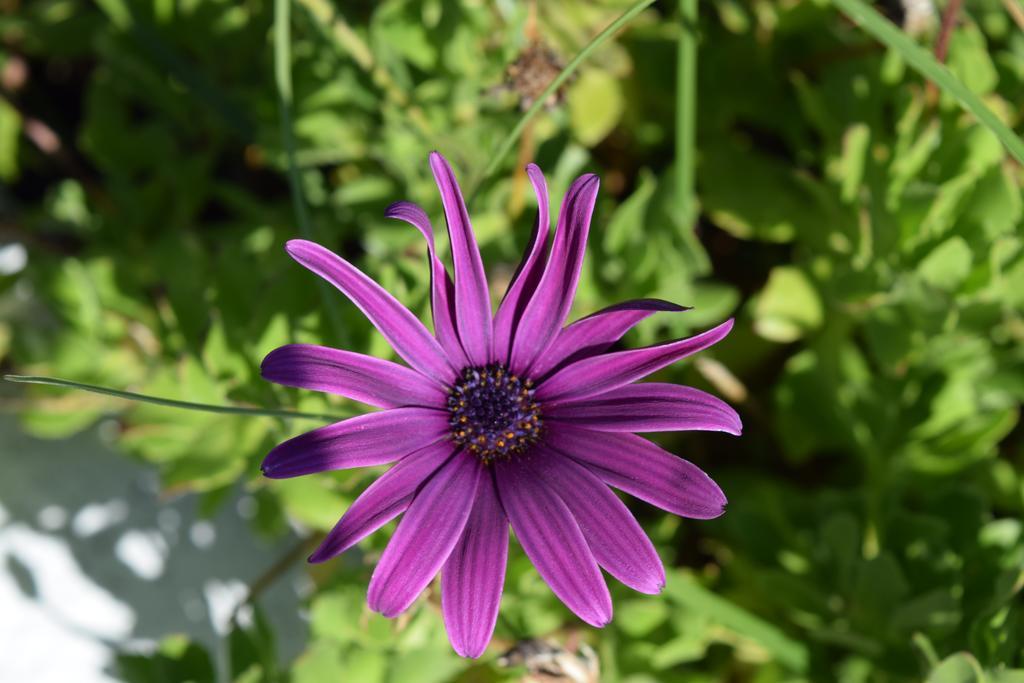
340,615
311,500
769,202
428,664
1006,676
366,665
321,662
947,266
176,659
879,584
950,201
997,204
912,154
595,106
639,617
335,614
788,307
406,35
10,132
251,646
840,536
689,647
958,668
850,168
969,59
685,591
627,224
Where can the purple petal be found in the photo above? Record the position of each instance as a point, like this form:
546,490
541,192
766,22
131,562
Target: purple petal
426,536
597,332
371,380
363,441
598,374
402,329
442,291
553,541
528,275
383,500
472,300
550,304
473,576
640,468
613,534
649,407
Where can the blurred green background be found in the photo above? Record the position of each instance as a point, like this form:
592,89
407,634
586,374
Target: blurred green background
864,230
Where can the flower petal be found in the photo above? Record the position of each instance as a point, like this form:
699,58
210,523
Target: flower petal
649,407
383,500
598,374
642,469
549,306
472,300
474,575
363,441
594,334
442,291
371,380
426,536
528,275
553,541
613,534
402,329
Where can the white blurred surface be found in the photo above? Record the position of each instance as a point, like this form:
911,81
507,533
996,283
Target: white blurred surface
91,560
57,635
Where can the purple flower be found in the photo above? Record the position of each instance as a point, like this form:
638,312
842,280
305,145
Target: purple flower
499,419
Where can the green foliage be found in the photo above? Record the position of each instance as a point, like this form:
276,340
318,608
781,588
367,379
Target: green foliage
866,234
175,659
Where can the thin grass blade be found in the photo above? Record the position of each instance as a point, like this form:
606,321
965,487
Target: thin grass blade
922,61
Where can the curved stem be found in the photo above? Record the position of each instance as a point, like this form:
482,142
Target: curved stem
170,402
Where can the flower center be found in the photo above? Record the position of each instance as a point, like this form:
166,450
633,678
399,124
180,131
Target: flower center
493,412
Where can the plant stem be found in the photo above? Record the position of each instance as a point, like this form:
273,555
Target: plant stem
949,16
278,569
170,402
686,112
946,30
1016,12
283,81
